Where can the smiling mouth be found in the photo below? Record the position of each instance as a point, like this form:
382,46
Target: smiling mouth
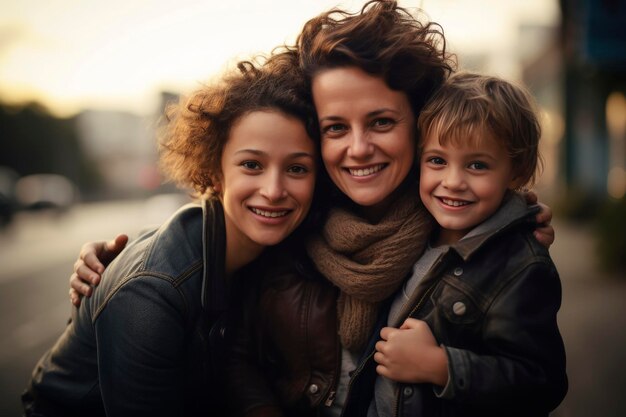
269,214
363,172
454,203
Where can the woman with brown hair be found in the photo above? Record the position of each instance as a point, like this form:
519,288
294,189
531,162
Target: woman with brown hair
150,340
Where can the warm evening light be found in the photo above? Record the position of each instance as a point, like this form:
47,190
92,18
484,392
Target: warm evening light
118,54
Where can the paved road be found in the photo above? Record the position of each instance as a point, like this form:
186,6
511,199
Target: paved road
593,323
36,254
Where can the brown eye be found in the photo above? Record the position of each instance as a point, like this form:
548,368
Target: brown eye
435,160
251,165
298,169
334,129
383,123
478,165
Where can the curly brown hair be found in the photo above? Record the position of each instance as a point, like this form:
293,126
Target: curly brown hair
468,105
383,40
196,129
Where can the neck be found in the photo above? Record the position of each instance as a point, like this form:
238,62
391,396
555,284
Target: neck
240,250
448,237
239,255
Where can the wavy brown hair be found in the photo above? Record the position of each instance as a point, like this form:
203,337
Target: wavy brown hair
469,105
383,40
196,129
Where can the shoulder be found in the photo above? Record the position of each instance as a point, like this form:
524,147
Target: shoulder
511,255
519,259
177,244
161,255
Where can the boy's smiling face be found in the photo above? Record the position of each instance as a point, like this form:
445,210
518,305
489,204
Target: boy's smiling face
462,183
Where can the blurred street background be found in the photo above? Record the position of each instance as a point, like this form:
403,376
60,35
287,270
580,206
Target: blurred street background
82,85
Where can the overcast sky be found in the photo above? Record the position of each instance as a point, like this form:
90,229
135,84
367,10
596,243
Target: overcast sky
118,54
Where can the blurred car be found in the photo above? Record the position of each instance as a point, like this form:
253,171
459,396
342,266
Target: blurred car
8,203
40,191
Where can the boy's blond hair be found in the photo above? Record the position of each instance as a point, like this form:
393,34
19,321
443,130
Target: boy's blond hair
468,105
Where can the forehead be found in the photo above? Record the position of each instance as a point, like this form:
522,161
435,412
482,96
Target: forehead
271,132
334,89
473,139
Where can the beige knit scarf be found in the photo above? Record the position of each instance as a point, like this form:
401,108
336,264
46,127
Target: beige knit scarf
369,262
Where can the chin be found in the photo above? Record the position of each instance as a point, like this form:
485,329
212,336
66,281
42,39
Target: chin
271,240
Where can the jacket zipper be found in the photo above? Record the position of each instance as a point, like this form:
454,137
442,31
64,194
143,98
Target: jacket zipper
371,355
354,376
419,304
330,399
421,301
396,404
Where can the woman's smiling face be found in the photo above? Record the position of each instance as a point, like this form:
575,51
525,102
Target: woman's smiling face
367,129
267,181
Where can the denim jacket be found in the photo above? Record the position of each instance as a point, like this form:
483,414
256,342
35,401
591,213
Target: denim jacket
149,341
491,301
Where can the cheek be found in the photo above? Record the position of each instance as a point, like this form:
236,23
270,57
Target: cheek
305,193
405,149
332,151
425,184
236,186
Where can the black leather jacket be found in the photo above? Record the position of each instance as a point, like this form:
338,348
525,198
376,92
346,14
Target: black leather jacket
149,341
491,301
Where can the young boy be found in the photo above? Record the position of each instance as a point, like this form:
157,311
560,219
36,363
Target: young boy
473,332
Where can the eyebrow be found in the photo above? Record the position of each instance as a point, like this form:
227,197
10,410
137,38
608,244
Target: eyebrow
368,115
481,155
439,151
262,153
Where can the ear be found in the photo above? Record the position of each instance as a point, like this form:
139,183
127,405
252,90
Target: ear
217,186
516,183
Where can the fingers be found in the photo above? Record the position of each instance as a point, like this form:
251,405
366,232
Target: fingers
386,332
92,267
115,246
74,297
545,235
411,324
87,273
383,371
379,357
544,216
79,286
530,197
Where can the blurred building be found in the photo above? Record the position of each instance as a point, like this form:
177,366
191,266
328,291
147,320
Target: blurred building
124,149
578,77
593,45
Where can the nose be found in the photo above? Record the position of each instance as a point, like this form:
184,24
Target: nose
454,179
360,145
273,187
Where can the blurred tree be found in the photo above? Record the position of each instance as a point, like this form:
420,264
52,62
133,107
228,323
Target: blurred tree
34,141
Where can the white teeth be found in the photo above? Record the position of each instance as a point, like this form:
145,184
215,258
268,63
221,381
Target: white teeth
454,203
366,171
271,214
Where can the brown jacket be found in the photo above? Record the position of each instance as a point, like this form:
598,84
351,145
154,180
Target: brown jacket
274,372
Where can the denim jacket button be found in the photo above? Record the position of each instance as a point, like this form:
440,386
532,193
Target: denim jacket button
458,271
313,389
459,308
407,391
